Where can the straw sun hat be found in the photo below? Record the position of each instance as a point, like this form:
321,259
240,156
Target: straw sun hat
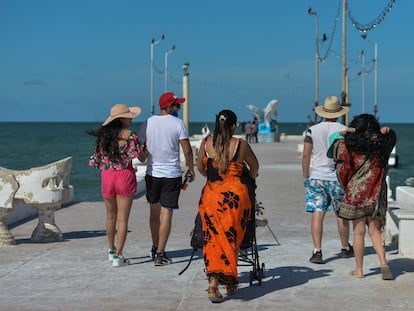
331,109
122,111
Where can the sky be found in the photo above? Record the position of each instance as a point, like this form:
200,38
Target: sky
72,60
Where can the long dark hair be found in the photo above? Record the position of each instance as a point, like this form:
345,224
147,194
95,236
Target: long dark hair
107,139
368,139
221,137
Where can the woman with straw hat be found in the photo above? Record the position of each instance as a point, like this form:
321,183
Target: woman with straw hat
115,148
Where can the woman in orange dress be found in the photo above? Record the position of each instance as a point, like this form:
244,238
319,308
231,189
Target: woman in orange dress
225,204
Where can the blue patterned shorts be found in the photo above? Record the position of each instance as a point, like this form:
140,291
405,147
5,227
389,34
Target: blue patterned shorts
323,195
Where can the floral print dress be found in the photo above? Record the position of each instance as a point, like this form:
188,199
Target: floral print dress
225,209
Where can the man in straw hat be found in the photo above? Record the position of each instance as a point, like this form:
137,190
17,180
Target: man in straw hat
164,134
323,192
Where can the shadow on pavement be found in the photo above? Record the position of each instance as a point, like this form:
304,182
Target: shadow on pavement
277,279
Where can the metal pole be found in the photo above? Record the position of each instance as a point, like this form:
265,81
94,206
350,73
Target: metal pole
364,36
317,67
376,80
166,68
310,12
153,43
344,69
363,81
186,104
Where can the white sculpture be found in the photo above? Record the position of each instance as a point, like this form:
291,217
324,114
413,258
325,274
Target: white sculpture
265,115
43,188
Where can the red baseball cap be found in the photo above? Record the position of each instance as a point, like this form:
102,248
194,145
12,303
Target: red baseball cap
168,99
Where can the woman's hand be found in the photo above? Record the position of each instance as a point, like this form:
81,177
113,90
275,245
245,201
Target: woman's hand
384,130
143,155
347,130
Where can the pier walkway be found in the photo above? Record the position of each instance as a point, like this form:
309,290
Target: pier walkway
75,274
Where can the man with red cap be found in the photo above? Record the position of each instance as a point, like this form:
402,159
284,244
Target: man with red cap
164,134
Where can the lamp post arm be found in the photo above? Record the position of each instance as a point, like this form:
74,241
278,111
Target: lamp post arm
153,43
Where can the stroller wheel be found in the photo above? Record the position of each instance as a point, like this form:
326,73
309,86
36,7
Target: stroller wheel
260,276
251,278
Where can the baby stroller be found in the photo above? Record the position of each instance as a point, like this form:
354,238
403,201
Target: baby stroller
249,253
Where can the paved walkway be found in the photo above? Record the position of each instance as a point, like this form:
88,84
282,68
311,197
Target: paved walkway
74,274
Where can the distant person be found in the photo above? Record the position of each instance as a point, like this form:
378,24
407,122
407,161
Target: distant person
362,166
205,130
274,125
323,191
248,132
254,129
115,148
164,134
225,204
242,126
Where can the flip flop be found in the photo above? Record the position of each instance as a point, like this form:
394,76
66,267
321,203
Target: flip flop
353,274
386,273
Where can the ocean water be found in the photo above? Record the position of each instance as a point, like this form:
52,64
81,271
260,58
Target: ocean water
29,144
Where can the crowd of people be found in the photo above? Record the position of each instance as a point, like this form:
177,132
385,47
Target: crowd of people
249,130
344,170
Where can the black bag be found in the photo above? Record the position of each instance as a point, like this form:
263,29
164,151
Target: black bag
196,239
197,234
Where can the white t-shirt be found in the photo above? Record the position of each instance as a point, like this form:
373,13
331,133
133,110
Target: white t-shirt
162,135
322,166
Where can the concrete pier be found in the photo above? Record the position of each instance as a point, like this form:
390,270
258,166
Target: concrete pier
75,274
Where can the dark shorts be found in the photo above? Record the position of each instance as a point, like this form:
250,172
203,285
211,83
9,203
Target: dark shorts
164,191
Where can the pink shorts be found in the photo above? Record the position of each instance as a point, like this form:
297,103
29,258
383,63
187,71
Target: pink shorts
118,182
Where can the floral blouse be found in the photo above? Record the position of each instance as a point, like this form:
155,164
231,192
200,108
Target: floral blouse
129,151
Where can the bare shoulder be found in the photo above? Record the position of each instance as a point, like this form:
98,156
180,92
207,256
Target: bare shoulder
245,148
244,145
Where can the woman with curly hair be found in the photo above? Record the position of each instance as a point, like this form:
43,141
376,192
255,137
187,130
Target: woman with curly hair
362,165
225,204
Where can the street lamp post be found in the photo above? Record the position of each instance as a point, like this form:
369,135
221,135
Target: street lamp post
153,43
344,93
310,12
166,67
363,80
364,36
375,79
186,91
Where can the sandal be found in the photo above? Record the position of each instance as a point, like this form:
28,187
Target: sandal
231,289
214,295
353,274
386,273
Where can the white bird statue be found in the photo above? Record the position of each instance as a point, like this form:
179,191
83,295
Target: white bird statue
265,115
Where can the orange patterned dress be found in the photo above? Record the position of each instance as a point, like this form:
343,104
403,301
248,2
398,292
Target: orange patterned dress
225,209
